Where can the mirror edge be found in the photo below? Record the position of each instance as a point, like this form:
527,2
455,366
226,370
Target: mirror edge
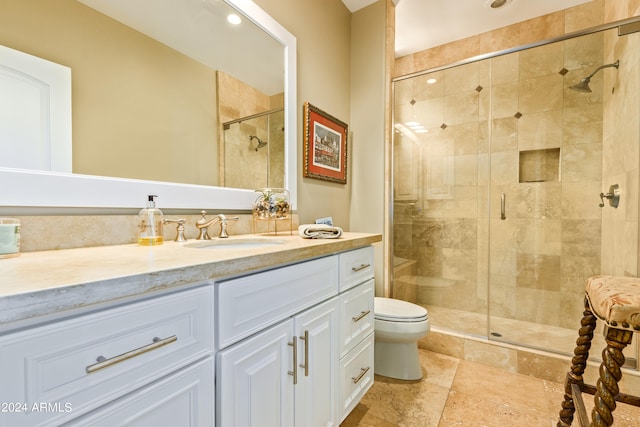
288,41
28,188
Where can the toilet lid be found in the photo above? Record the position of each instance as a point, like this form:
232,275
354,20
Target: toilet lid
396,310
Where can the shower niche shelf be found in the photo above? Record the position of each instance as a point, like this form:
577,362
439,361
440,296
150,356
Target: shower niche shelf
539,165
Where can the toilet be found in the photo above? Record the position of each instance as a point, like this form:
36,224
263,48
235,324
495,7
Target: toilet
398,327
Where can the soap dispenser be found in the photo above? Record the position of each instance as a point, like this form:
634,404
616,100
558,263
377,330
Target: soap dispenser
150,224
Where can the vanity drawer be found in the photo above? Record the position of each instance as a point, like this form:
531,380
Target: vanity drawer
182,399
59,364
356,375
355,267
251,303
356,315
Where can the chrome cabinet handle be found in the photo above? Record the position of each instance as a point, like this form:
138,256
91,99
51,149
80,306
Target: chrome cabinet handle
357,379
294,373
362,267
305,365
361,316
104,362
503,204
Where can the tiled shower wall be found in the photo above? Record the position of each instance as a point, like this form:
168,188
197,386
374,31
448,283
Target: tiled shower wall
486,121
620,143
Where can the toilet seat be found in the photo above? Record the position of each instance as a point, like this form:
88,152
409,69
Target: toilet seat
394,310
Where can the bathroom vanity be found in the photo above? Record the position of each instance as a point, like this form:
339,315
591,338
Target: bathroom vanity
178,335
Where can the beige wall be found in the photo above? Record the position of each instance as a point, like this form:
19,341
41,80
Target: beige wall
369,89
323,32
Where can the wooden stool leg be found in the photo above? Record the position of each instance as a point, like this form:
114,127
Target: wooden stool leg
610,374
578,364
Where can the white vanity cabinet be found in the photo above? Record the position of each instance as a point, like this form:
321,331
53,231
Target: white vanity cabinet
115,362
291,339
289,345
356,328
285,374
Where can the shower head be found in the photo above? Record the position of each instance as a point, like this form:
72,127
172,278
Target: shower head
583,84
261,143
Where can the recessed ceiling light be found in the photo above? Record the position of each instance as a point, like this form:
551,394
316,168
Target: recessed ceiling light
234,19
431,81
496,4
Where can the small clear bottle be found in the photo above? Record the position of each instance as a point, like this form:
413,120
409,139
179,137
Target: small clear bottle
150,224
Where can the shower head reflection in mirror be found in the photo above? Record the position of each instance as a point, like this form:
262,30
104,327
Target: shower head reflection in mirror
583,84
261,143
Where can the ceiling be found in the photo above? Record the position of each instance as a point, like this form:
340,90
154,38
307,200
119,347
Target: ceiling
421,24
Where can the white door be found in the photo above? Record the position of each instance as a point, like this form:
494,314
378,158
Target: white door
318,365
35,112
253,384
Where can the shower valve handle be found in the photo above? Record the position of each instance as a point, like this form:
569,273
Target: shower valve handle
613,196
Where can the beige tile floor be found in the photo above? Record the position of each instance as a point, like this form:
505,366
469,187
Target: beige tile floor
457,392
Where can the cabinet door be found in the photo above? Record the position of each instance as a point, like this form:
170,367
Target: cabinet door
183,399
253,384
318,365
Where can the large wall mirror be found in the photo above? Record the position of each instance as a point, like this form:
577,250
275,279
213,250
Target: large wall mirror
155,83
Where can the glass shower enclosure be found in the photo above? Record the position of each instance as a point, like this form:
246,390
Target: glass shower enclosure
498,166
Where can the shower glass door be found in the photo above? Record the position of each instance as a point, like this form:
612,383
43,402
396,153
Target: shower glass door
498,168
440,205
553,151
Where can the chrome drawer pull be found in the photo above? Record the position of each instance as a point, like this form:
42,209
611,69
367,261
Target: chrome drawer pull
362,267
294,373
104,363
362,315
357,379
305,365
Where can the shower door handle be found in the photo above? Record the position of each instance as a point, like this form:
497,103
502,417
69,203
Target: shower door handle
503,204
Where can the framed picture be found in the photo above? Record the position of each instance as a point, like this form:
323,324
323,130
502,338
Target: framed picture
325,146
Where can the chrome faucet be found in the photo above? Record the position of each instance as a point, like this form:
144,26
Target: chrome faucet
203,225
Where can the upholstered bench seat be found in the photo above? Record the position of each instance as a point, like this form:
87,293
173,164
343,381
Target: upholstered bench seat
616,302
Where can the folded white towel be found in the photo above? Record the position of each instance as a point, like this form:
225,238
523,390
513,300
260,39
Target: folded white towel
319,231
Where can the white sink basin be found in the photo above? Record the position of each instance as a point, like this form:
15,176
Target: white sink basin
240,243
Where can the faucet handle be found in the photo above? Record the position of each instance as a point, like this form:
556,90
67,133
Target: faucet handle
223,225
179,229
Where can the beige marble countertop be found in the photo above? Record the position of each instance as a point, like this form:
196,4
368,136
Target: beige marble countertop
49,282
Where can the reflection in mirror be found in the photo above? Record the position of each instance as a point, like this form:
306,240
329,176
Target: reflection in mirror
252,152
257,142
145,102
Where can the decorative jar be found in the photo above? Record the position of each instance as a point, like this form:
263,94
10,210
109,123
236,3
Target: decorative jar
272,203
